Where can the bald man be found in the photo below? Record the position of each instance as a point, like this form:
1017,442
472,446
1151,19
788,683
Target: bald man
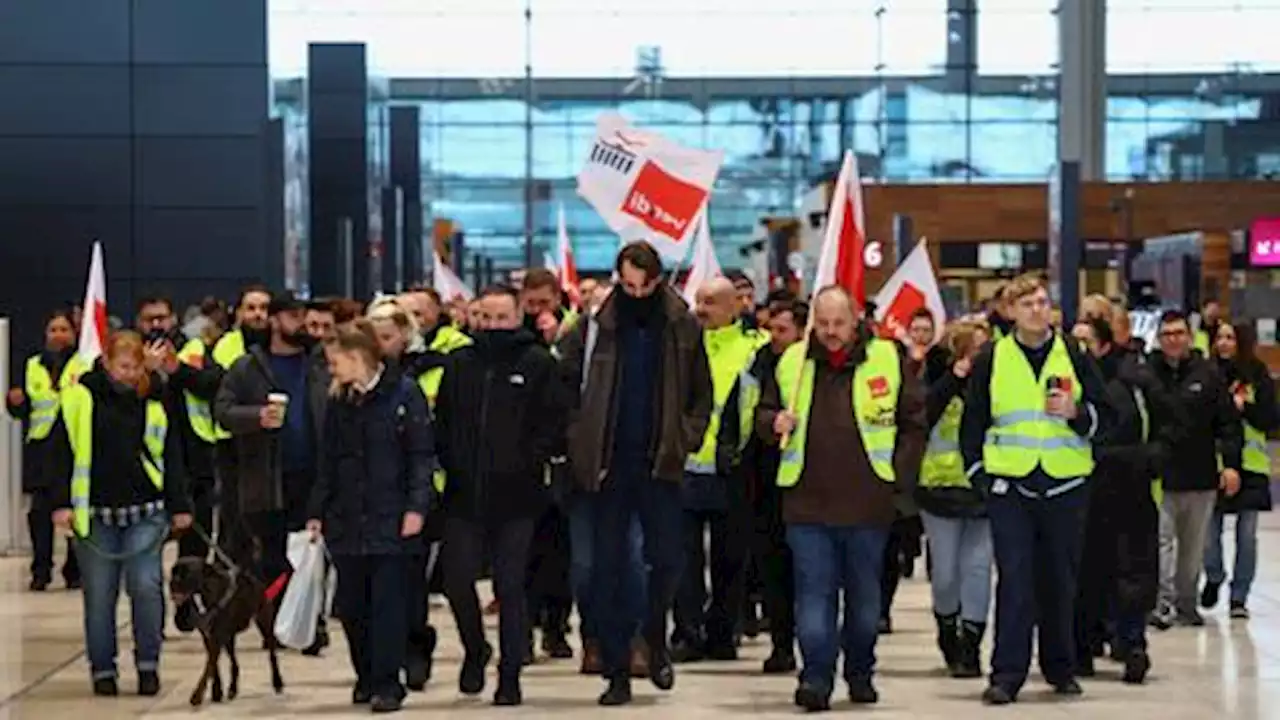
853,417
706,629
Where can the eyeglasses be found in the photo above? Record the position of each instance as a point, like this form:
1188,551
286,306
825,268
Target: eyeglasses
1179,332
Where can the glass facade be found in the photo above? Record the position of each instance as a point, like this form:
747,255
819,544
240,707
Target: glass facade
923,90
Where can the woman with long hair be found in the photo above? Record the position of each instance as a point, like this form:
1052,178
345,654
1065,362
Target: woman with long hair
1254,394
36,402
954,513
370,500
125,489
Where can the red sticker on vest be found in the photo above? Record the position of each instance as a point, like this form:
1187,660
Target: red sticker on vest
879,386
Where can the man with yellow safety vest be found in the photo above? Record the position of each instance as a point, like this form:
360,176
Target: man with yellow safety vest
742,456
36,401
192,387
1253,393
1034,405
1120,566
1192,474
852,421
252,328
714,503
440,339
1207,331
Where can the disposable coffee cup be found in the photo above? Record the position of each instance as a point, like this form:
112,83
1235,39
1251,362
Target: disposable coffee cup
281,399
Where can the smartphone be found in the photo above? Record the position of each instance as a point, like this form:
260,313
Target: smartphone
1060,384
156,336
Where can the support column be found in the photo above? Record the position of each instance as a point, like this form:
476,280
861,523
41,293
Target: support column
1082,86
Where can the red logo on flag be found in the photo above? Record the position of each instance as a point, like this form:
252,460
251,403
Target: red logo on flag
898,315
663,202
879,386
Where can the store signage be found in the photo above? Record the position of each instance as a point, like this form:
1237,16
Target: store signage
1264,242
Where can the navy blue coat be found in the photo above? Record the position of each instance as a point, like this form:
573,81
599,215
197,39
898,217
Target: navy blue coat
376,461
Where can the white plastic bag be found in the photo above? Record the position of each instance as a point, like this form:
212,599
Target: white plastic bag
304,598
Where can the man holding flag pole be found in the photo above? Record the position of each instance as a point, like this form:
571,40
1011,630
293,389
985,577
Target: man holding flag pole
851,423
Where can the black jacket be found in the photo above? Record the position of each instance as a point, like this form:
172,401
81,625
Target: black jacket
757,462
1214,425
203,383
499,419
376,461
44,462
244,391
942,387
117,478
1262,414
1129,461
1093,421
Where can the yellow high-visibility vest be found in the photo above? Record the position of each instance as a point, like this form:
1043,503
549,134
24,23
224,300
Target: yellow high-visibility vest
447,339
1203,341
77,413
1022,435
729,352
875,388
943,465
229,348
199,414
45,396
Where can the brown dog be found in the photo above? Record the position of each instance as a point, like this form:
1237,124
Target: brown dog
232,599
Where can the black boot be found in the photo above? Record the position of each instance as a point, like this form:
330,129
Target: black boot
618,692
949,638
969,650
1136,667
554,641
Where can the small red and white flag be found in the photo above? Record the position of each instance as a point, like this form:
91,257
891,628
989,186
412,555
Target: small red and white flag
566,267
912,286
93,323
841,261
704,265
446,281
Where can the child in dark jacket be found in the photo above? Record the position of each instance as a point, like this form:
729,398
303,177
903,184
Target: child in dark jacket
370,499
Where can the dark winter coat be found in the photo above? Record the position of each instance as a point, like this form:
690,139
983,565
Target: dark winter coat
1262,414
376,459
1214,429
259,482
499,418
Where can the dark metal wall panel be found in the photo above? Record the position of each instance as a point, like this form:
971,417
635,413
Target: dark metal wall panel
64,32
200,32
78,171
199,172
64,100
192,100
273,261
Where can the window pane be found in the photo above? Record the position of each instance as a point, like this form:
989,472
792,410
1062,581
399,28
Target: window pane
1172,37
1017,36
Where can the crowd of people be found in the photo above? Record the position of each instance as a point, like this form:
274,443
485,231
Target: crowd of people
682,476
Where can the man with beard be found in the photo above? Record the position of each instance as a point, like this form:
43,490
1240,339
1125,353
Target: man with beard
272,402
742,456
544,313
498,422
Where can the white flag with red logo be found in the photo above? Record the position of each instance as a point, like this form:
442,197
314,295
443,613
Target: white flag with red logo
566,268
705,265
446,282
841,261
913,286
645,186
93,322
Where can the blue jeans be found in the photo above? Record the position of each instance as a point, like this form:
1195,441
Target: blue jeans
829,560
961,554
628,494
1246,561
143,581
582,529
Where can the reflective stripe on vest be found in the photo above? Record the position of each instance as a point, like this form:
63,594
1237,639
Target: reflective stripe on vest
44,395
1022,435
447,339
729,350
748,400
943,465
226,352
77,413
199,414
874,389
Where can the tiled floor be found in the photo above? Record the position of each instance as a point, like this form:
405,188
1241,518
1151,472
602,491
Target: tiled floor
1224,670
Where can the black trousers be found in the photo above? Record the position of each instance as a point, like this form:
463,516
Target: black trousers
550,594
1120,566
40,527
698,620
904,542
464,556
371,598
416,605
777,572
